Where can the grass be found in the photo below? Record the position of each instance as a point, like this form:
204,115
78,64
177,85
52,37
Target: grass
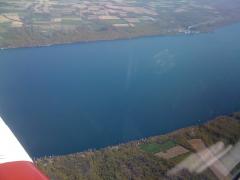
155,147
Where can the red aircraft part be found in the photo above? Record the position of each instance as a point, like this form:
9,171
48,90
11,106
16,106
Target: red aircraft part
15,163
21,170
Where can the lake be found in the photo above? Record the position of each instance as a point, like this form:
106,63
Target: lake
69,98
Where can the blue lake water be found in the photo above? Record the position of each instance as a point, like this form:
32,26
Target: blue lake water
69,98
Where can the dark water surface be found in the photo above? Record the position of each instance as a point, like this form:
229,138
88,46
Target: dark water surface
69,98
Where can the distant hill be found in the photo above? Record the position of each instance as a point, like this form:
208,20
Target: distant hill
149,158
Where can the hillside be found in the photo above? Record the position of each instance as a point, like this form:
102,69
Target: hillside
149,158
27,23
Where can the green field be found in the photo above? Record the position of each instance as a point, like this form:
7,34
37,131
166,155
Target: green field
155,147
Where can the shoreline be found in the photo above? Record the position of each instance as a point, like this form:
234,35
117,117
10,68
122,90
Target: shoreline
135,140
103,40
170,34
141,139
140,153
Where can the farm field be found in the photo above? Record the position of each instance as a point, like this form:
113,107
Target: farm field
27,23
